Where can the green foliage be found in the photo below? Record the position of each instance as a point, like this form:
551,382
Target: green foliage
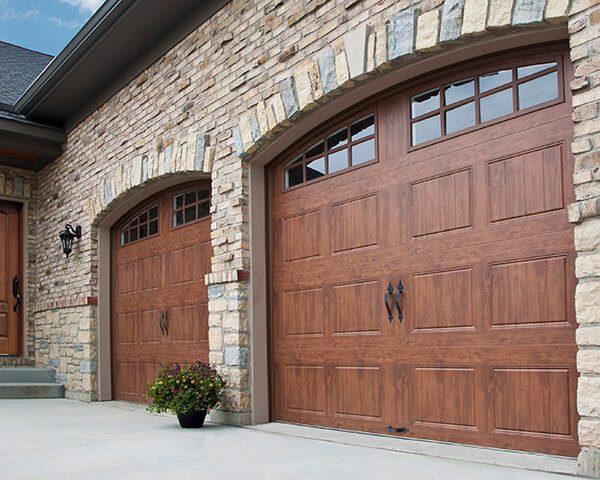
181,389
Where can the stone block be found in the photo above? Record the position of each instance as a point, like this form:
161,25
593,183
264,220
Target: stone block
400,39
355,43
452,13
588,462
202,141
589,432
588,335
587,302
528,11
588,396
236,356
474,17
588,360
588,264
289,99
587,235
427,30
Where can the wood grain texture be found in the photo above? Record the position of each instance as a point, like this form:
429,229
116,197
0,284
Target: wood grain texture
10,265
475,227
158,277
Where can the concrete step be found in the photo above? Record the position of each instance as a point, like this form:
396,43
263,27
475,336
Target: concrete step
26,375
31,390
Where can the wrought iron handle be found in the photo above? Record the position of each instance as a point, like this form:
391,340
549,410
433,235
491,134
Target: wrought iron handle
160,322
388,301
399,291
166,322
16,287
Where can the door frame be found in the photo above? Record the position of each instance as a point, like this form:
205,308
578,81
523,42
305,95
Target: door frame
23,206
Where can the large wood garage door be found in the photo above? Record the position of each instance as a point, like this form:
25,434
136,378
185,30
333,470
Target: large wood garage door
457,188
161,252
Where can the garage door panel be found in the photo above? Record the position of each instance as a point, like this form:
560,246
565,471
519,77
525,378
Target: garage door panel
529,291
531,400
305,389
526,184
445,397
302,313
148,326
302,236
354,224
355,309
441,204
357,392
442,300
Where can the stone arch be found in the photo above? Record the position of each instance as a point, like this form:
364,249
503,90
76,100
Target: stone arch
371,50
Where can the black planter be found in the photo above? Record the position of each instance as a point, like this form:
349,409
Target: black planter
193,419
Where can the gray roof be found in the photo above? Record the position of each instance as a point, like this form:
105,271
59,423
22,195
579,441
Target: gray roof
19,67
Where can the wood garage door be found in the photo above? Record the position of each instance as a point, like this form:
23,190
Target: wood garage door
161,252
446,203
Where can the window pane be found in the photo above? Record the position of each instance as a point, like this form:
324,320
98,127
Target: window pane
538,91
178,201
294,160
124,237
203,210
143,231
363,152
133,235
293,176
315,169
460,118
459,91
363,128
493,80
425,130
496,105
315,150
144,217
153,228
338,161
425,102
154,211
203,194
190,198
337,139
531,69
190,214
178,218
134,222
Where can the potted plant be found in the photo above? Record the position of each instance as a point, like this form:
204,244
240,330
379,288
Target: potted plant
189,391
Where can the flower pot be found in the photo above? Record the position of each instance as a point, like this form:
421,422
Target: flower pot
192,419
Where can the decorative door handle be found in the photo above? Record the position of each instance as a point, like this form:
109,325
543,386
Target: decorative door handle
388,301
166,322
399,291
16,287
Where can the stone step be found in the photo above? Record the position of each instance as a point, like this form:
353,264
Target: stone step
31,390
26,375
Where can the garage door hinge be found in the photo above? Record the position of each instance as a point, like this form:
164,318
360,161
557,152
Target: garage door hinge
391,429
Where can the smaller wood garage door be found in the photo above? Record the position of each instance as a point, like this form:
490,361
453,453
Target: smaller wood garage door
10,279
161,252
423,263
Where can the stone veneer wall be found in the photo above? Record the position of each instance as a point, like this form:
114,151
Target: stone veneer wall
19,185
584,30
223,93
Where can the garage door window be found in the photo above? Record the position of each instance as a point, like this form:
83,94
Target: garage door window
141,226
345,148
190,207
469,102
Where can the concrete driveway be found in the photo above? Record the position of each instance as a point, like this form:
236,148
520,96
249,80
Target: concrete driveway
64,439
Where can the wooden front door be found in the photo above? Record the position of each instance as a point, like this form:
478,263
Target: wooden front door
423,264
10,279
161,252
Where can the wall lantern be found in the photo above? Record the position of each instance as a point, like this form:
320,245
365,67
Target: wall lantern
67,236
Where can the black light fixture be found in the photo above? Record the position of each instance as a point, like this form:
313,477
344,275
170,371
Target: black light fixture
67,236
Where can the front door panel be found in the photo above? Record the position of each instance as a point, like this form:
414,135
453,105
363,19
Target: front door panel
10,279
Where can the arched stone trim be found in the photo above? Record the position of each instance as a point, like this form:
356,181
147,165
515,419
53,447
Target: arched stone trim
370,50
192,154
